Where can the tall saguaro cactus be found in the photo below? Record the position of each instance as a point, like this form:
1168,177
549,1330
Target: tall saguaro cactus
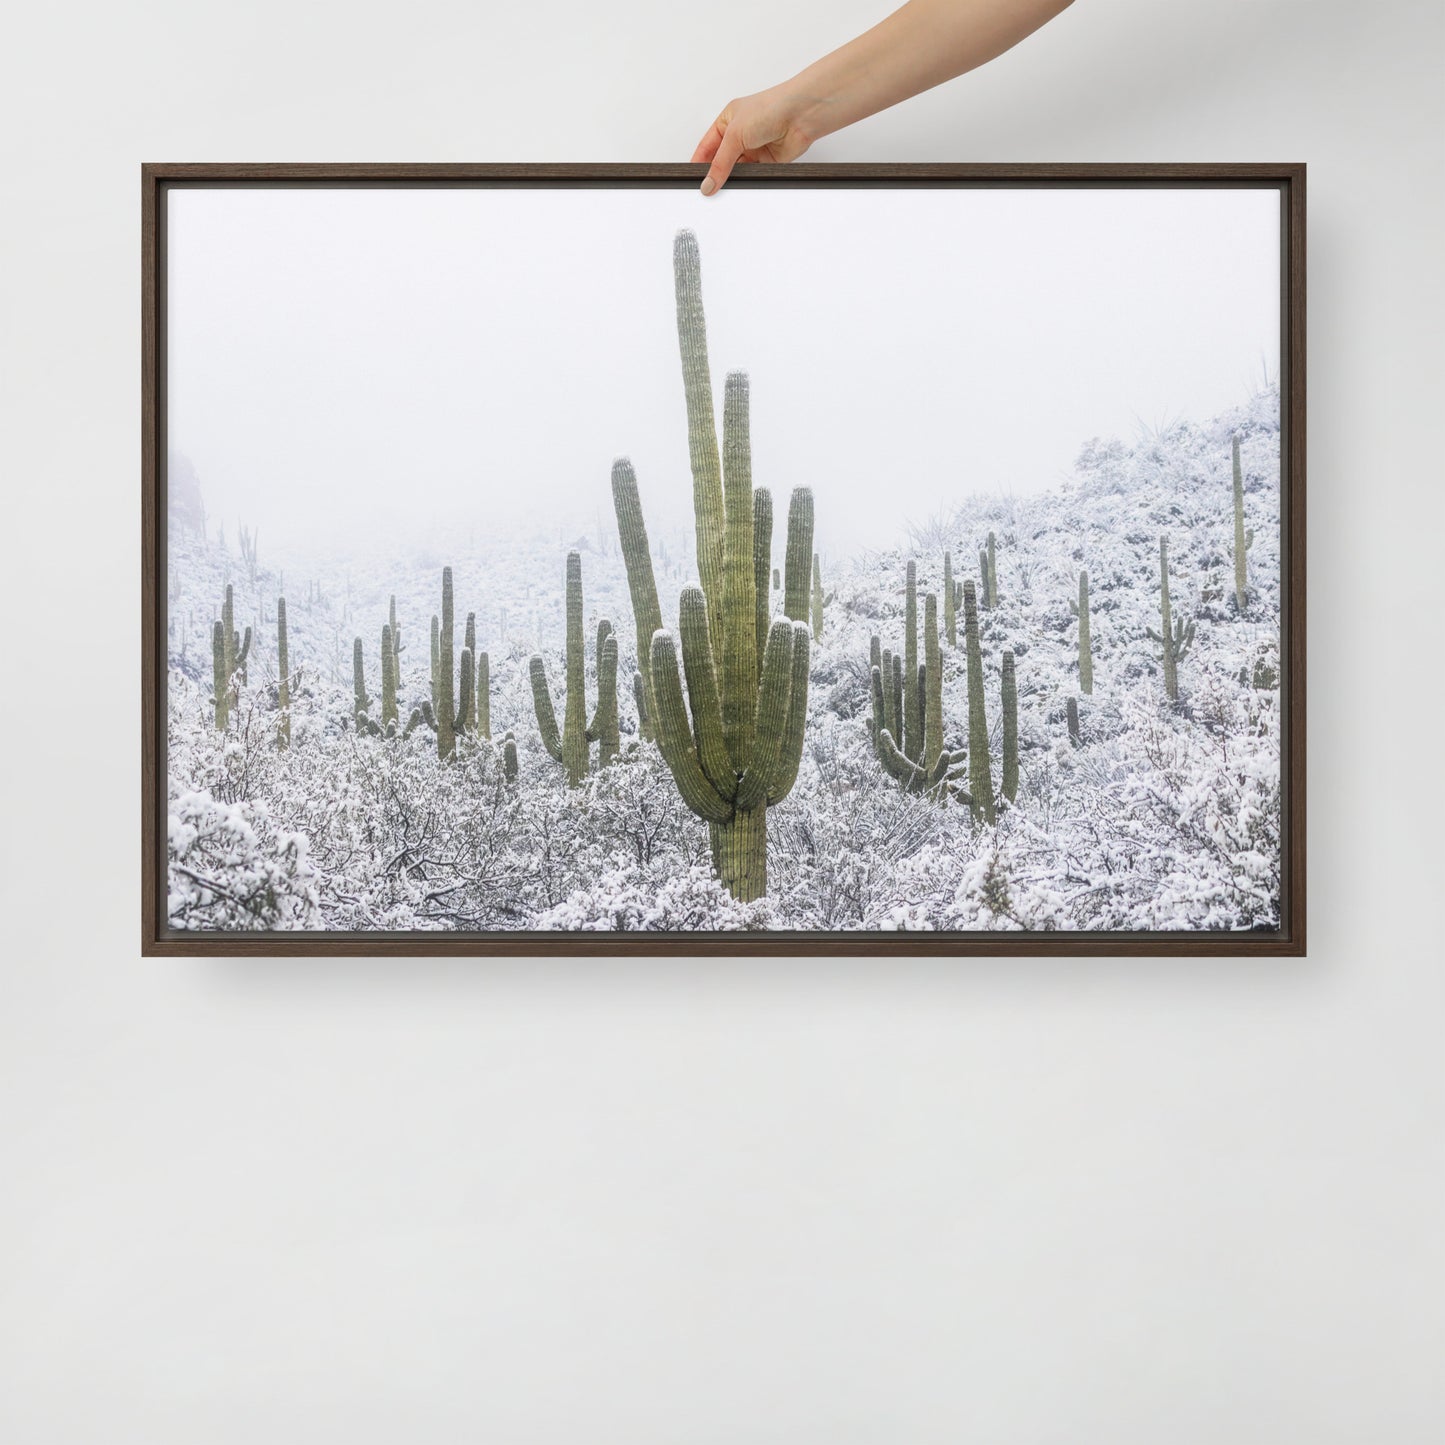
1243,537
980,776
484,695
1009,695
912,719
735,746
570,746
361,703
1080,610
283,678
1173,636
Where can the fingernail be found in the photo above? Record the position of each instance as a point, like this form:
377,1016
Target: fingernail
708,185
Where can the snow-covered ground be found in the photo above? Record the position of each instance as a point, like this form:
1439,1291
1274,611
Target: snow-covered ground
1167,817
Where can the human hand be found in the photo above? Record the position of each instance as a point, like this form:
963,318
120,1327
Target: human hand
762,127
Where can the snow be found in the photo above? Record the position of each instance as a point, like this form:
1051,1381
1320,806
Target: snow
1168,817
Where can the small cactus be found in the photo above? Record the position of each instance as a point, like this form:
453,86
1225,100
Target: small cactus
361,704
570,746
980,778
1080,609
283,675
1243,537
1071,712
1173,637
510,766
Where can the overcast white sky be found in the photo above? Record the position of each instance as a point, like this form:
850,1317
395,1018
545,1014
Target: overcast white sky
398,358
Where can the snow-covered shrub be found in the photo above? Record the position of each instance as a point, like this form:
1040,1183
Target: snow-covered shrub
630,899
229,867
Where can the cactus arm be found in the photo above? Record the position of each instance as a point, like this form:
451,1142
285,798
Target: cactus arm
700,674
780,782
244,651
1010,695
818,599
675,739
933,678
736,629
798,557
641,583
446,704
912,698
770,725
574,718
707,475
608,737
221,682
639,699
542,704
980,778
762,563
594,728
466,691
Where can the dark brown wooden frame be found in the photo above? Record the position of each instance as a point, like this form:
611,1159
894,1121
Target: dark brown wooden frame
1288,180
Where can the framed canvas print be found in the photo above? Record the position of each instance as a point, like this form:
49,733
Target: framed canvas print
872,559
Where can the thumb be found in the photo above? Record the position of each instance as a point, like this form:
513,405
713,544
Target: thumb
723,162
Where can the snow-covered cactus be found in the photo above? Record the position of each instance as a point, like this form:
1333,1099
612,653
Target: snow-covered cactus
1009,693
740,749
762,560
1080,609
283,678
361,703
950,602
980,778
221,684
912,719
1071,712
990,597
571,746
1243,536
444,699
510,766
1173,636
388,678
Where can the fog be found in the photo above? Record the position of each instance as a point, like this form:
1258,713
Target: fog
351,366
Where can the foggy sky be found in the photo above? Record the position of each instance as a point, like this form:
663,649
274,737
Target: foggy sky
364,363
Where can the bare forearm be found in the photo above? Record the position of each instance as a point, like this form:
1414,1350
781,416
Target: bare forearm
921,45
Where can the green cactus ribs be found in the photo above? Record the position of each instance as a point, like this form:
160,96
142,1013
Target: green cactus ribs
1243,536
570,746
734,747
1174,636
1080,609
229,650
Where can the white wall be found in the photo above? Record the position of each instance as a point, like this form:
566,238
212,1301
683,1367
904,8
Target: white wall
716,1201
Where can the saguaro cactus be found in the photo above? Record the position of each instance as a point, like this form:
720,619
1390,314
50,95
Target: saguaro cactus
912,719
980,776
570,746
388,678
1009,693
1071,712
283,678
817,599
740,750
444,704
220,678
950,602
1080,609
934,768
1243,537
510,767
361,704
1173,637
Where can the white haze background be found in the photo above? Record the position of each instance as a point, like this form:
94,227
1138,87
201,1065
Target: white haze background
355,368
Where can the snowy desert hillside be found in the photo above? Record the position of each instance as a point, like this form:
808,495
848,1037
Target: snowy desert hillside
1160,815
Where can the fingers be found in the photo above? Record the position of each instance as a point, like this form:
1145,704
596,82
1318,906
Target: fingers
707,146
724,159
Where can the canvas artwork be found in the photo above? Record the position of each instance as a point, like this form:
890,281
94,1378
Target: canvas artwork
855,564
